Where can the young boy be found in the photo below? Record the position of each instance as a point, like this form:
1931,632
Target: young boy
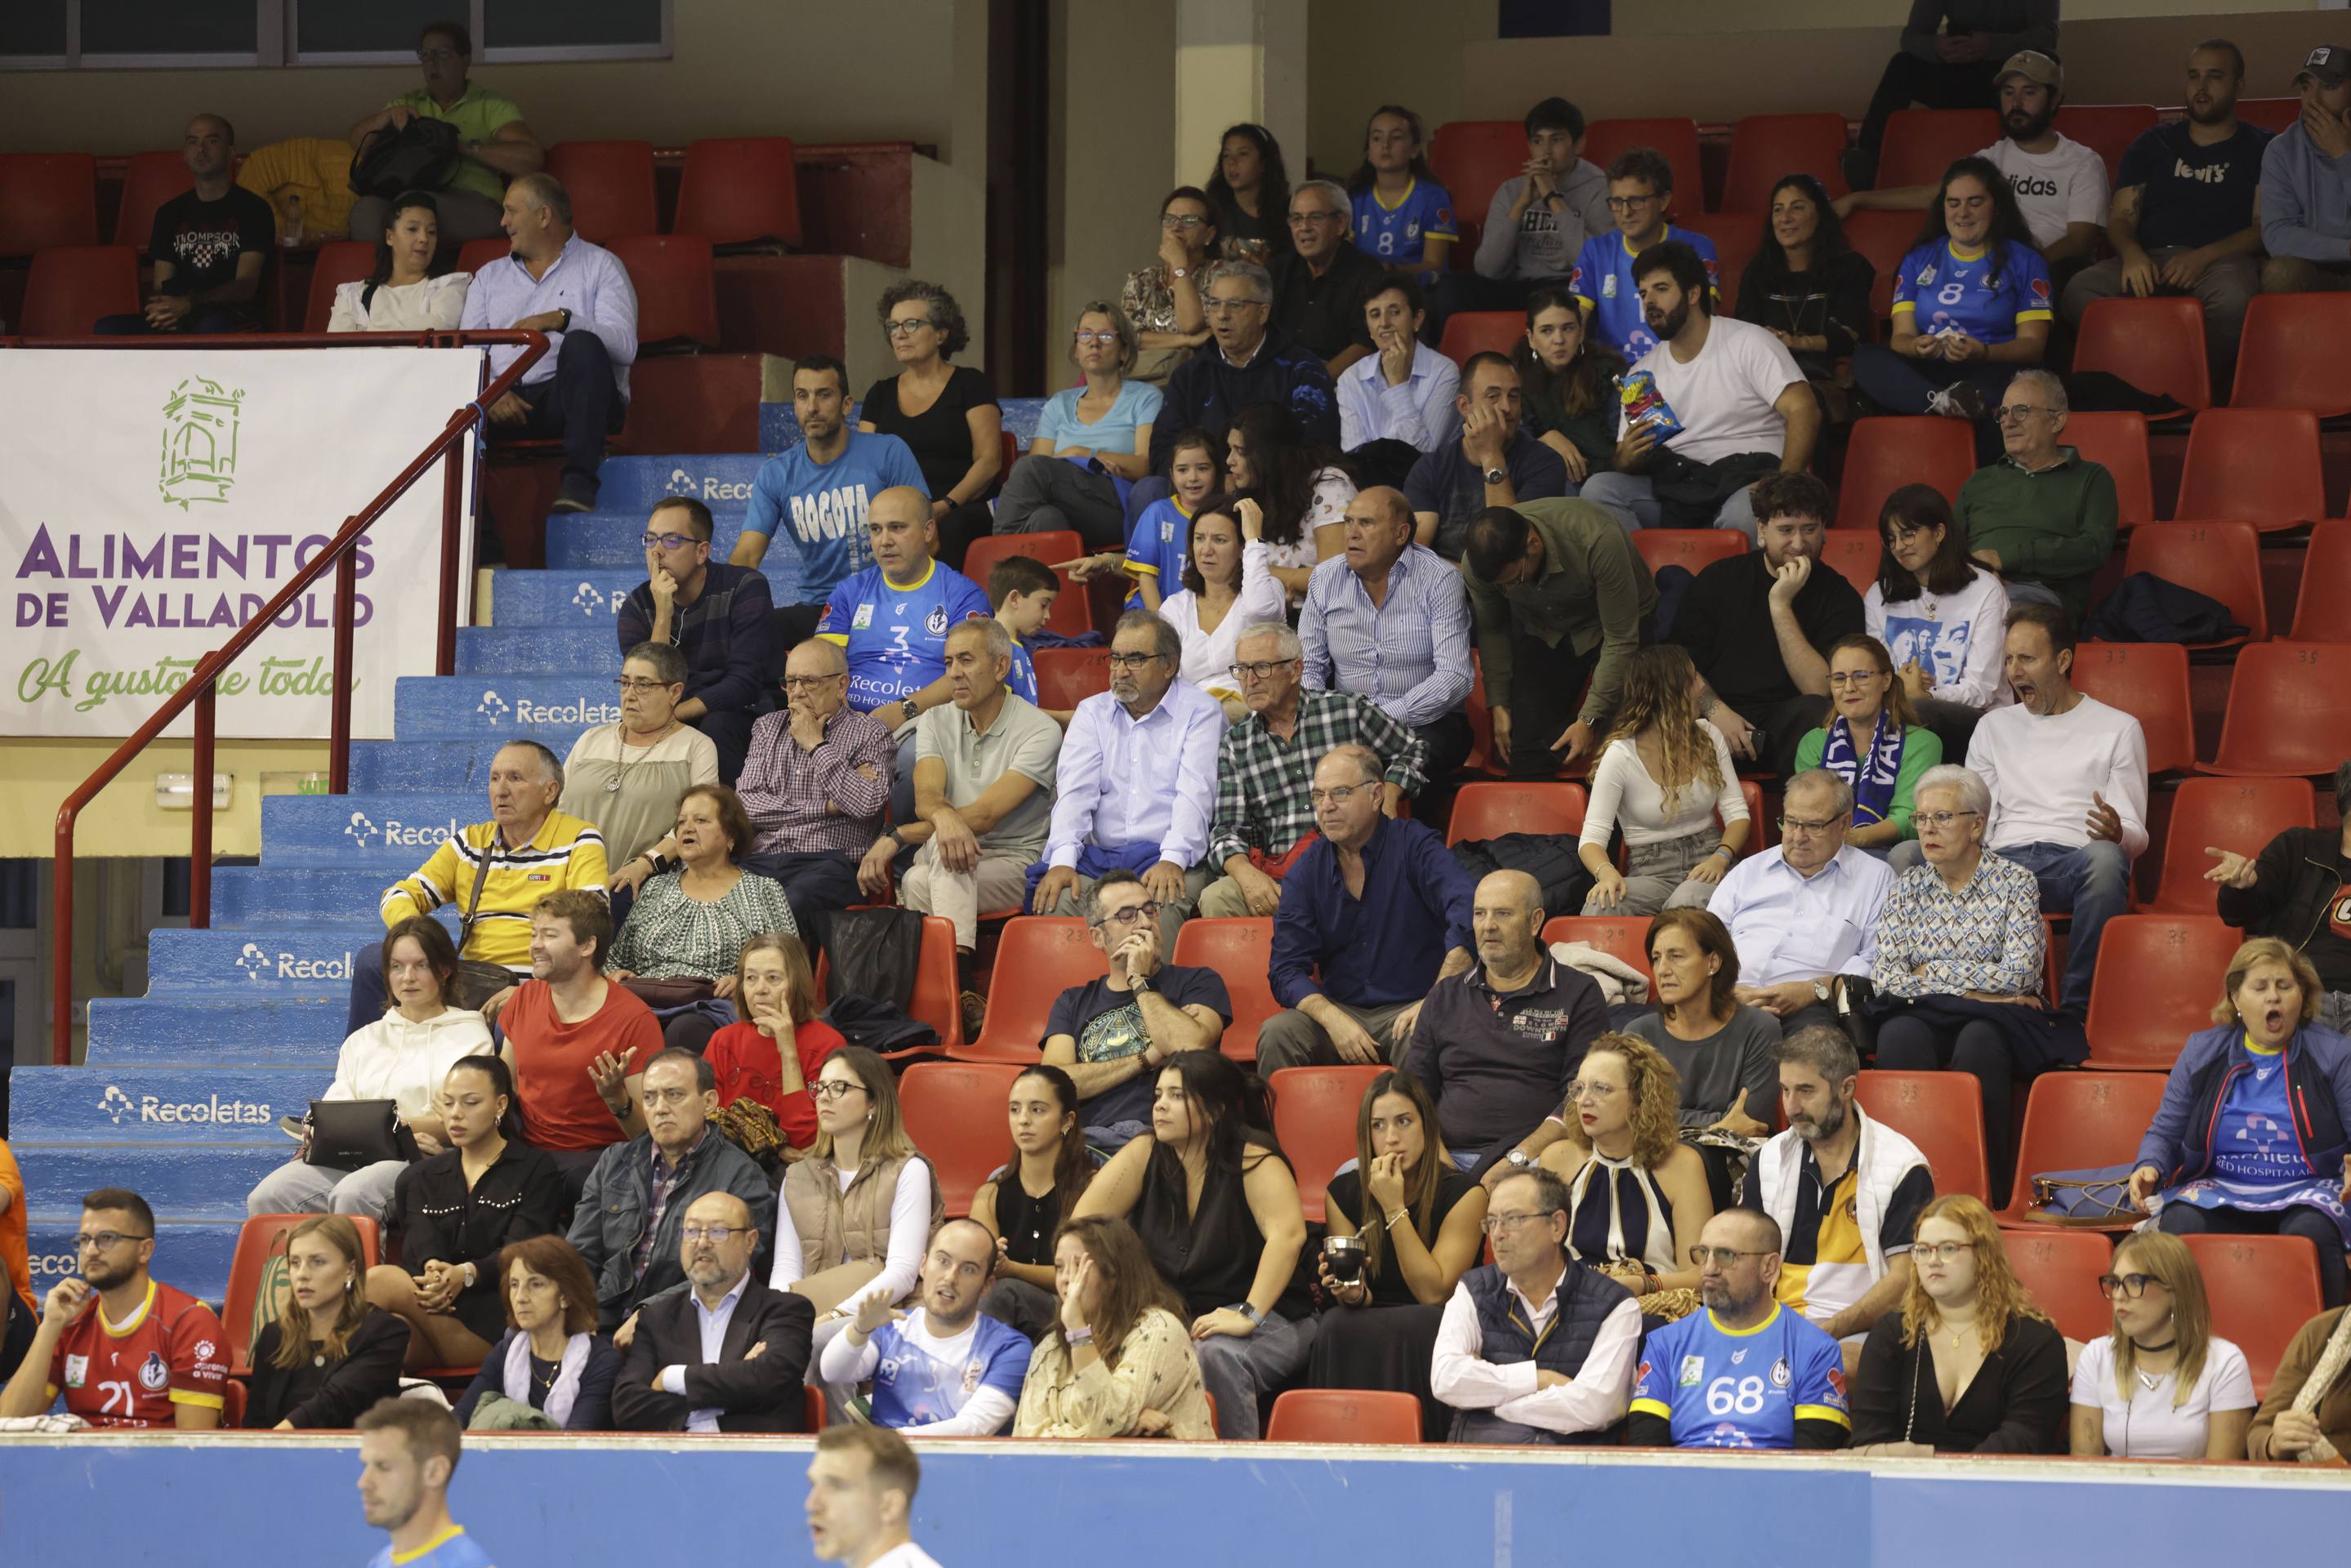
1022,589
1155,552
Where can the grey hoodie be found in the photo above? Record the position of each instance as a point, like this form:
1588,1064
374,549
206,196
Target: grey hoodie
2306,201
1544,242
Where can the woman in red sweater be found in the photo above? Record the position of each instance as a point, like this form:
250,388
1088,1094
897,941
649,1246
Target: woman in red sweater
772,1056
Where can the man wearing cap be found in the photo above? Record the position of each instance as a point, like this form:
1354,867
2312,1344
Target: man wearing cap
2060,184
2182,218
2306,182
1946,62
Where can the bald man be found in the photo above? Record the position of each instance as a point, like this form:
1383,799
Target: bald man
209,243
892,619
946,1371
1499,1044
1388,620
726,1353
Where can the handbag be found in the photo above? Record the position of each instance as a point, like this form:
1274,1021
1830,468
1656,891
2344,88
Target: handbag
421,155
2098,1196
477,980
351,1135
659,995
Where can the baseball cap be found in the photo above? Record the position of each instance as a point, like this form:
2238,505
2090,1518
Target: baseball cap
2330,63
2034,66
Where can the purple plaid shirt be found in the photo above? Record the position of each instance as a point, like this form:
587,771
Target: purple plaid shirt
805,803
665,1177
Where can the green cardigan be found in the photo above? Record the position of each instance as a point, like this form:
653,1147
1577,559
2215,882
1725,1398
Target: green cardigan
1921,748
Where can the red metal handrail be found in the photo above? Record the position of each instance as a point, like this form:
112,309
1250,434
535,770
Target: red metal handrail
198,691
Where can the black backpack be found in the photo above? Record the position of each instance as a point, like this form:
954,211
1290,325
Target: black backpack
421,155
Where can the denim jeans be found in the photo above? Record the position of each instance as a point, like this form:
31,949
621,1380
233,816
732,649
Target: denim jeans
2091,881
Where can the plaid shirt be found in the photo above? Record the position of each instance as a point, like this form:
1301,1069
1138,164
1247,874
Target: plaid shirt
664,1177
804,803
1263,780
1986,937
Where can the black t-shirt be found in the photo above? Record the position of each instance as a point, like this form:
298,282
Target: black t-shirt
1108,1027
1725,621
941,434
1269,228
2194,195
202,239
1345,1196
1446,482
1324,313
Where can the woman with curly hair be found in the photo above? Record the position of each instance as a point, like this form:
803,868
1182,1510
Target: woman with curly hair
1637,1194
948,414
1968,1363
1664,776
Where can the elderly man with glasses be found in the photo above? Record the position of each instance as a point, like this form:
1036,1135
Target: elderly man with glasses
716,614
1803,915
1248,360
1319,284
2044,516
730,1353
1265,768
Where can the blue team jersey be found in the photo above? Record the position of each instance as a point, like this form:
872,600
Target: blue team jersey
450,1549
1022,681
821,507
896,636
911,1390
1721,1389
1156,549
1602,280
1985,293
1393,237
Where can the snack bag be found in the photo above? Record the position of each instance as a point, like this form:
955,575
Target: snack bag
1644,405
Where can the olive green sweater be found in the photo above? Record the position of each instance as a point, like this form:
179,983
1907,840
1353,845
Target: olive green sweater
2055,528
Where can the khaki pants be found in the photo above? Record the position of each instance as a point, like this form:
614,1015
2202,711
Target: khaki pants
2293,274
997,882
1222,900
1291,1039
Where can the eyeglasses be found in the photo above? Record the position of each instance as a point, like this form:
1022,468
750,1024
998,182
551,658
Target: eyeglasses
1626,203
1129,915
811,683
1226,306
1941,818
1580,1088
1131,661
2017,412
1721,1257
1855,677
1339,796
1175,221
1493,1223
1261,671
834,1088
907,325
719,1234
668,541
1088,339
103,1240
1798,825
1939,1252
629,683
1298,218
2128,1287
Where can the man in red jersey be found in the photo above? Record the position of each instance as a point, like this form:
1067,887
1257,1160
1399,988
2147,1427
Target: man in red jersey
148,1355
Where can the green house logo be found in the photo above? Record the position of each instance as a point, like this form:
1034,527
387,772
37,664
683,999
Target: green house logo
199,431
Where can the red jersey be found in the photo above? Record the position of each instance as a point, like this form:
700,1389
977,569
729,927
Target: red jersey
170,1352
560,1107
748,1066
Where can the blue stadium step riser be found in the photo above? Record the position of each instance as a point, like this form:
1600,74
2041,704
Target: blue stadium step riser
550,709
291,894
414,767
268,964
394,833
562,598
216,1106
719,480
198,1031
191,1255
587,650
194,1181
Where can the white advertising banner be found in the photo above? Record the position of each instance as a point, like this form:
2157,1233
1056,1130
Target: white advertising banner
152,502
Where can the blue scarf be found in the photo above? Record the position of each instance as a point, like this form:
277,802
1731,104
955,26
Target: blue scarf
1872,781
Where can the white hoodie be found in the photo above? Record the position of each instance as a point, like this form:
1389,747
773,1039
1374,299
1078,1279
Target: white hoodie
393,1059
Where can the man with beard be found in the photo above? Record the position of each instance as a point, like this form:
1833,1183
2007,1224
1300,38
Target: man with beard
1725,398
2060,184
1746,1373
1845,1191
2182,219
209,243
725,1355
948,1372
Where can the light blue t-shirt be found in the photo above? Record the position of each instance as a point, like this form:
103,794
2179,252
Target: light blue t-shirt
896,635
1603,280
824,505
1022,681
1723,1389
1395,236
455,1549
1136,405
2253,1138
911,1390
1156,549
1986,294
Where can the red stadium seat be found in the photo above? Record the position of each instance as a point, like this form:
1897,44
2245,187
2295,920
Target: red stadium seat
1921,144
1491,810
2262,1289
1343,1415
1068,676
2081,1121
1241,951
611,184
2118,440
1736,237
1853,553
1763,147
475,254
2318,609
233,1402
2242,815
258,1263
2156,345
739,191
2148,681
1677,139
2276,115
2222,560
46,199
150,180
1473,159
338,262
811,1408
1888,451
1942,1112
1624,937
1314,1116
1038,957
1070,616
2260,465
1471,332
1885,238
2289,712
677,293
2292,355
2061,1269
70,287
937,1000
2106,128
2157,977
955,1113
1692,549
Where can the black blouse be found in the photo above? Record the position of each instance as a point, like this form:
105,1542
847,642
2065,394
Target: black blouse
316,1393
1828,299
1346,1195
2016,1403
521,1195
1026,1223
1210,1256
941,434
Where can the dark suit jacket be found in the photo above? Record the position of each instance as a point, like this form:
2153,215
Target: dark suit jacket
758,1396
336,1397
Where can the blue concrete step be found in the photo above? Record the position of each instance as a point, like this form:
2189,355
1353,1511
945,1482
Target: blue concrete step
719,480
550,709
214,1106
191,1255
195,1181
400,767
260,964
289,1030
614,542
567,650
250,896
587,597
396,833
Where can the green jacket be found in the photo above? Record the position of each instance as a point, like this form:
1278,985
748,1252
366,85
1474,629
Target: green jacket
2055,528
1921,748
1594,591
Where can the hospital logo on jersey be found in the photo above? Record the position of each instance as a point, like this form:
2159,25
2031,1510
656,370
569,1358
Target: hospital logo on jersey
1780,1375
936,623
862,619
1692,1373
1444,217
154,1372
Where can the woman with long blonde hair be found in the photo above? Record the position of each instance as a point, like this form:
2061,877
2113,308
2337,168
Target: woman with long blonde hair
1637,1194
1664,776
2163,1386
1968,1363
329,1355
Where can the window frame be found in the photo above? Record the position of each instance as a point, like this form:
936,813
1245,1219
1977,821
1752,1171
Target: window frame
277,34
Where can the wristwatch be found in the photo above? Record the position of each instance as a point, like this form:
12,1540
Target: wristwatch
1179,272
1821,991
1520,1159
1250,1313
1498,476
907,705
565,312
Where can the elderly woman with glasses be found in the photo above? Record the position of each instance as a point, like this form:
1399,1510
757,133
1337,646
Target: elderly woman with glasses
946,414
1092,441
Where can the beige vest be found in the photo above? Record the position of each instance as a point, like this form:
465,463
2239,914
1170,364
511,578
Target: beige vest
845,1236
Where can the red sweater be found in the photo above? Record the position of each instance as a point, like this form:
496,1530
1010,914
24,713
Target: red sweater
749,1067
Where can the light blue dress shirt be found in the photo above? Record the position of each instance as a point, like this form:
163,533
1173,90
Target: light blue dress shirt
1409,654
1786,925
587,280
1420,411
1125,781
713,1322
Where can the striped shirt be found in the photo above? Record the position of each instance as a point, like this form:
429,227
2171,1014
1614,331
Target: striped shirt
566,853
1263,780
827,800
1409,653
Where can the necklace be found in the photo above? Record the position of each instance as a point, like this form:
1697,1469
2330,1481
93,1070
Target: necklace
621,765
1963,1328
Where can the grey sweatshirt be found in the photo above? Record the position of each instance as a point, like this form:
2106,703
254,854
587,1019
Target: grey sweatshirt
1544,242
2306,201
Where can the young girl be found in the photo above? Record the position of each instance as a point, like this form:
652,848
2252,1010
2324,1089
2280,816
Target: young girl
1023,1202
1403,218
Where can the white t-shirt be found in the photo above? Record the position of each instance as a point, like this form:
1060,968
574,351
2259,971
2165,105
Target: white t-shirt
2147,1426
2066,184
1956,638
1724,397
1208,655
1625,795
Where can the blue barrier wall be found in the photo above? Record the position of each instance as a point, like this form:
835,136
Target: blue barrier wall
553,1502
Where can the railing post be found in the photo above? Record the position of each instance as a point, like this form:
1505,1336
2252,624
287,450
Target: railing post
338,730
62,979
200,830
444,647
